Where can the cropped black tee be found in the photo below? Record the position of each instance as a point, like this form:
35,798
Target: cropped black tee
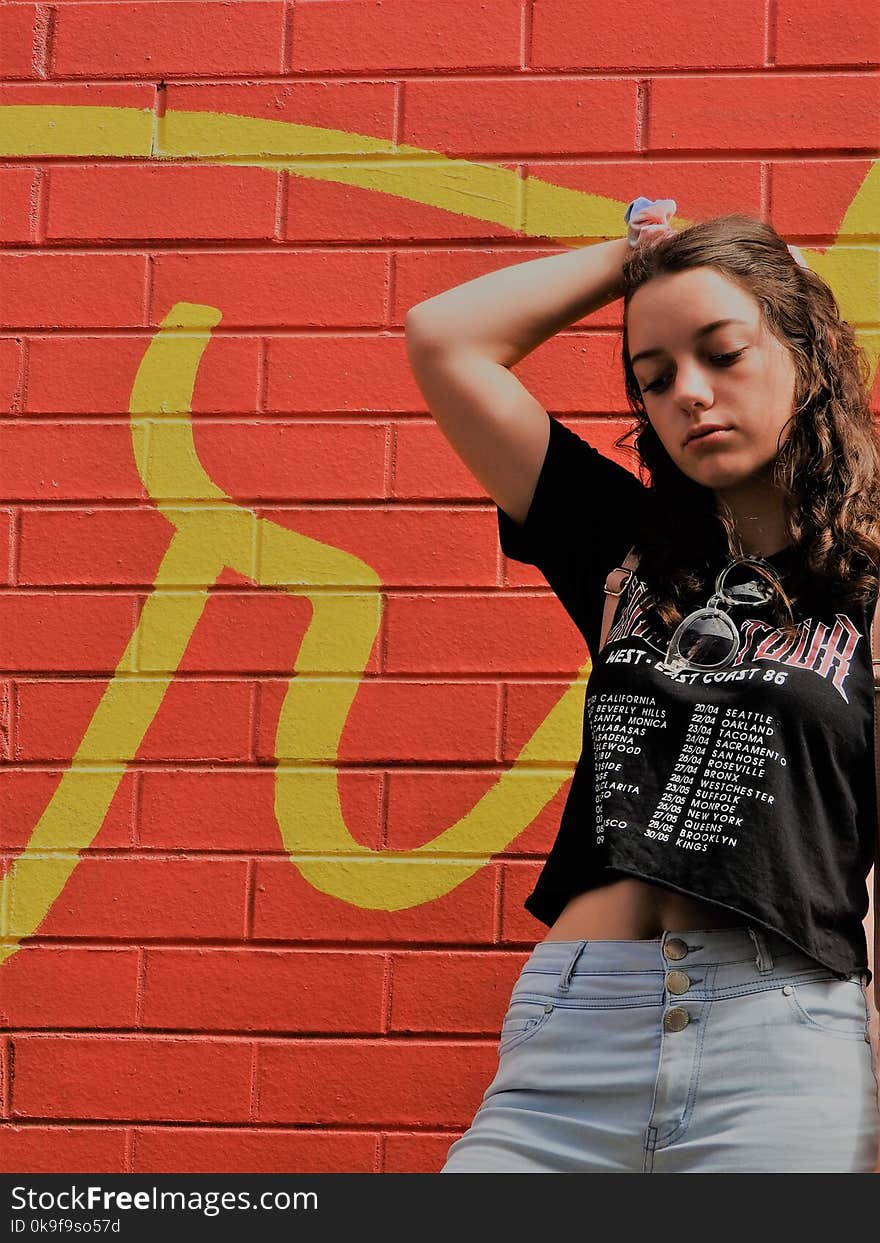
750,787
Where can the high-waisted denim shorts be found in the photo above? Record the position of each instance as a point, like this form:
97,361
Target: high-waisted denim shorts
720,1050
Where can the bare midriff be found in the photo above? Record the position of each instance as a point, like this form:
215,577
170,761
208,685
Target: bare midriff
632,909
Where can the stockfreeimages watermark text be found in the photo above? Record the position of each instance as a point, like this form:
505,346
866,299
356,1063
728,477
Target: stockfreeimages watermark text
210,1203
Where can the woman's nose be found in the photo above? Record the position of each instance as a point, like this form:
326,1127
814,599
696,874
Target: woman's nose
691,388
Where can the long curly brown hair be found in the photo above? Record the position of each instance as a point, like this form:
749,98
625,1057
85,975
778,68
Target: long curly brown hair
828,470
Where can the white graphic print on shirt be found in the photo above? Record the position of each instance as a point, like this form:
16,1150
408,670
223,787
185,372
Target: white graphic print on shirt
722,752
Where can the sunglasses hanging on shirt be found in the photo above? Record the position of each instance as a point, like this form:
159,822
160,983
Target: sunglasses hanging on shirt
708,638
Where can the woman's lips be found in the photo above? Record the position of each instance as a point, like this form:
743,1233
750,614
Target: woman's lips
710,438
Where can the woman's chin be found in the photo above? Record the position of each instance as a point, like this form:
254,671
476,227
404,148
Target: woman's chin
721,474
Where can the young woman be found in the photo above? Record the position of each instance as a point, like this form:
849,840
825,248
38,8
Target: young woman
700,1001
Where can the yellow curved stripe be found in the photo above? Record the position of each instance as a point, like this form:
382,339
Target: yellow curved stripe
340,635
215,532
484,192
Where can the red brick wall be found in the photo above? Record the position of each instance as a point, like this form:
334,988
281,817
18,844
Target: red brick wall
190,999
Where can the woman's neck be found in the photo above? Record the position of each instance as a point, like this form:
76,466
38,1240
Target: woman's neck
758,518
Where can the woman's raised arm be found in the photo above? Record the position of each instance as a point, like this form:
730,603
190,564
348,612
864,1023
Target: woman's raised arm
462,343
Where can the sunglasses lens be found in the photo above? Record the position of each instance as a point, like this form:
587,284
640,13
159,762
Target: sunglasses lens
747,583
707,640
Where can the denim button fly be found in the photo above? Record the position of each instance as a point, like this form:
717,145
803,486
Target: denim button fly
676,1019
675,948
677,982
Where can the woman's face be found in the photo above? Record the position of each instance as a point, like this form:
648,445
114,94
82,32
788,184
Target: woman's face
688,383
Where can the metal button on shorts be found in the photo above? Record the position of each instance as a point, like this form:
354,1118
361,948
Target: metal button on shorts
675,1019
677,982
675,948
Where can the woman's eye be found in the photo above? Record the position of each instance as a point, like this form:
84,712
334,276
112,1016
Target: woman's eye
653,388
723,360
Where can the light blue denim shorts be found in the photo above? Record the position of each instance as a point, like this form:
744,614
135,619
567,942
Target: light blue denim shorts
719,1050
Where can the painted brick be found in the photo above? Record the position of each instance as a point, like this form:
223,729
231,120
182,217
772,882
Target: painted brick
72,291
528,705
331,212
811,196
6,545
137,1078
201,721
451,992
25,793
366,37
92,547
62,1149
329,375
287,907
146,898
734,112
139,95
339,107
807,33
422,805
391,721
528,635
64,461
56,986
52,717
246,1150
572,34
11,381
570,372
875,391
255,632
521,115
393,541
95,375
95,40
97,203
22,41
282,288
271,461
517,924
18,193
250,990
398,1083
235,810
5,720
69,632
574,372
426,467
417,1152
723,186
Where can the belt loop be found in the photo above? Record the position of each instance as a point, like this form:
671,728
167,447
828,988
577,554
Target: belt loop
763,957
565,977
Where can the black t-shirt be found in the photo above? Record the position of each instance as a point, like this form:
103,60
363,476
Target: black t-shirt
751,787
